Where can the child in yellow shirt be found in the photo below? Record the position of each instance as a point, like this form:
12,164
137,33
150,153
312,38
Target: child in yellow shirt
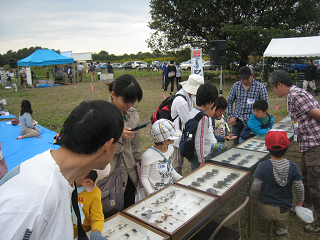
89,199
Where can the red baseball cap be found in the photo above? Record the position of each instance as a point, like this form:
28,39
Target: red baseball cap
277,138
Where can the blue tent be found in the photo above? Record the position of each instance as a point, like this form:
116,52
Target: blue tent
43,57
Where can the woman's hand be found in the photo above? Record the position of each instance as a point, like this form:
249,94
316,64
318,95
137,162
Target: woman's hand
127,134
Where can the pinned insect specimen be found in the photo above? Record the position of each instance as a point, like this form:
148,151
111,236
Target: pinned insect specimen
206,176
127,234
243,161
227,179
220,184
158,221
165,217
215,171
231,158
209,174
236,155
211,190
200,179
225,161
233,175
200,201
195,184
134,230
250,156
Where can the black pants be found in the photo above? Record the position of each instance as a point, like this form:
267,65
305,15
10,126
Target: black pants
129,194
178,79
169,80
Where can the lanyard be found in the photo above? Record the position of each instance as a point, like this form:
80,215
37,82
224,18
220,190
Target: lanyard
163,157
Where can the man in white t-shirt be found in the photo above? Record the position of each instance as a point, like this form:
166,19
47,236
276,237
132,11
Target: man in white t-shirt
35,196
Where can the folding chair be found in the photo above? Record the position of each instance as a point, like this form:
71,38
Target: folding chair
221,232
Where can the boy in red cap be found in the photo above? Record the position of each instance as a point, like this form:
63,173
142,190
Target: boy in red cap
272,185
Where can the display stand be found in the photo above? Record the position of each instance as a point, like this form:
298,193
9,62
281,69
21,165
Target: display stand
122,226
253,145
174,209
217,180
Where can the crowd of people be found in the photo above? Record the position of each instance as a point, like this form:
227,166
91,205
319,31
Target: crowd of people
100,151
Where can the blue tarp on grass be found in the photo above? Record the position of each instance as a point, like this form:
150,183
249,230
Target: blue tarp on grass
10,116
17,151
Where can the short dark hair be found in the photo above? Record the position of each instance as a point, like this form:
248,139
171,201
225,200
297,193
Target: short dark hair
206,94
172,62
277,154
310,60
221,103
90,125
108,62
26,107
93,175
261,104
127,87
280,76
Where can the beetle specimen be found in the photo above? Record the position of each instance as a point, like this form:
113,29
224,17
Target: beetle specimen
195,183
200,179
127,235
211,190
215,171
134,230
220,184
158,221
233,175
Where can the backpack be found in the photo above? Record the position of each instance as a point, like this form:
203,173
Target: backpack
186,145
164,109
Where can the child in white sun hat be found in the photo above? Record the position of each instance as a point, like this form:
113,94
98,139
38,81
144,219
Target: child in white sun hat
156,169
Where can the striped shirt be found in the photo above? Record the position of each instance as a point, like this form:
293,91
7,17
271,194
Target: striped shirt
299,103
244,100
280,173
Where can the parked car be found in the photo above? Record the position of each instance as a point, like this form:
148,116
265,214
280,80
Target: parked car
317,63
296,67
186,65
133,65
207,66
103,65
116,65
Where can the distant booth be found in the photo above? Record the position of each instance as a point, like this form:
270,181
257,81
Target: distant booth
43,57
79,58
293,47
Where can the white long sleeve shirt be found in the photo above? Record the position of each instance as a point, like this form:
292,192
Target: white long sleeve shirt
156,173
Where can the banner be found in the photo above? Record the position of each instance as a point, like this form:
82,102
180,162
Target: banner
196,61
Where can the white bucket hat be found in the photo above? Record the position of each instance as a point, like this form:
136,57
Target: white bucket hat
162,130
192,84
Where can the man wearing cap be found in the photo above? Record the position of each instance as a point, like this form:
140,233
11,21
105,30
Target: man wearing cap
273,180
180,109
304,111
243,93
164,74
156,169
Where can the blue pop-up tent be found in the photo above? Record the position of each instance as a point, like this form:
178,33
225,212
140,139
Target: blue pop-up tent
43,57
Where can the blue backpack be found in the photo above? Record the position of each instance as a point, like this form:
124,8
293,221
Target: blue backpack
186,145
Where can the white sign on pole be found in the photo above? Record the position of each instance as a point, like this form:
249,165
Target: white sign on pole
29,78
196,61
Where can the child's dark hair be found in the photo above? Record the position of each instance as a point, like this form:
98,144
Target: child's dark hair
26,107
277,154
92,175
261,104
127,87
206,94
221,103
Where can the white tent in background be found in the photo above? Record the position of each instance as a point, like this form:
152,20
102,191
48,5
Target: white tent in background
293,47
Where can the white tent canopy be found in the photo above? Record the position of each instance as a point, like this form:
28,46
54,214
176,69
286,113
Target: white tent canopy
293,47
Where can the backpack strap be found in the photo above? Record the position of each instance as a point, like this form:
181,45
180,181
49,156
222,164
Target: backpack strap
199,116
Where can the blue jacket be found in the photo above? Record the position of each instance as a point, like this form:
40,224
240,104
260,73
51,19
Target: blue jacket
255,126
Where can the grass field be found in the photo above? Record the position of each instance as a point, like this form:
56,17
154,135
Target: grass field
51,107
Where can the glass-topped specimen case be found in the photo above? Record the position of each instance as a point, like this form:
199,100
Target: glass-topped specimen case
240,158
174,209
253,144
122,226
286,120
215,179
283,126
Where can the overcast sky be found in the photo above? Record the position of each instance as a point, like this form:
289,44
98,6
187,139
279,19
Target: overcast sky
117,27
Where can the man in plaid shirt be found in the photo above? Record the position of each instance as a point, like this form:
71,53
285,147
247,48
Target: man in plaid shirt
244,93
304,109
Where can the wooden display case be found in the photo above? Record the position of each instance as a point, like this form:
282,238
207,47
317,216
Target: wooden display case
174,209
217,180
122,226
253,144
283,126
240,158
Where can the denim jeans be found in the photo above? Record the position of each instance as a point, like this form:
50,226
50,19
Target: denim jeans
236,130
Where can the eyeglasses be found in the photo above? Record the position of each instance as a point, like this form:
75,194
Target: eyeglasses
119,142
273,87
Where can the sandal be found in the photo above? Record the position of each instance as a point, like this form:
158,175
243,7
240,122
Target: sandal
312,228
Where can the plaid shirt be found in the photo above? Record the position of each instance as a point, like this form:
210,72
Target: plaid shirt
244,100
299,103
